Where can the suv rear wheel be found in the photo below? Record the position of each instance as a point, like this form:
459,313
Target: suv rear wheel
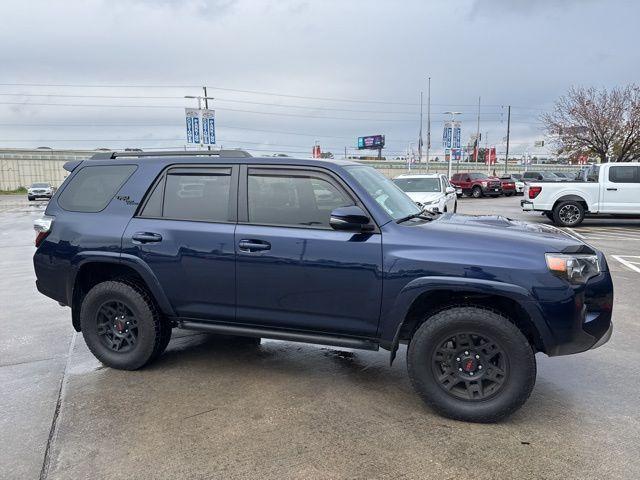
122,326
568,213
471,364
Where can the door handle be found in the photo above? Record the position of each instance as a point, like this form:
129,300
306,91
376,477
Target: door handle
146,237
612,189
253,245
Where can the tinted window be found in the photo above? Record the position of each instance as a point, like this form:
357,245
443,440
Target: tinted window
478,176
92,188
418,184
623,174
281,199
40,185
194,196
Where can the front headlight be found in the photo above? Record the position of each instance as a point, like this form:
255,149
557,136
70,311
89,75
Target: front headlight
576,268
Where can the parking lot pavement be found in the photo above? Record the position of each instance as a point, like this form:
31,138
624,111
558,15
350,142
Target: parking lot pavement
217,408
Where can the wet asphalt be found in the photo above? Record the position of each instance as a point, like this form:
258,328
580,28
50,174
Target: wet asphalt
215,407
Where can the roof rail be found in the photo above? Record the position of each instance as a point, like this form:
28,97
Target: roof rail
175,153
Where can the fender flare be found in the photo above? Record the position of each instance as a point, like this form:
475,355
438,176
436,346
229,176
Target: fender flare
131,261
397,315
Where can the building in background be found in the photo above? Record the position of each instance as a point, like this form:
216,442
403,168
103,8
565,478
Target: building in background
20,167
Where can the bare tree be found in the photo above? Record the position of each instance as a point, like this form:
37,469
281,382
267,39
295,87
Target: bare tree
597,122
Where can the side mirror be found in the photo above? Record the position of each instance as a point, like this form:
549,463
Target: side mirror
450,190
351,219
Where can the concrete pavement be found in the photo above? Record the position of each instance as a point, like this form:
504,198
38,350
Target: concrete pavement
220,408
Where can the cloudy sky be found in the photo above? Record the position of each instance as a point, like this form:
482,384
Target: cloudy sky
284,74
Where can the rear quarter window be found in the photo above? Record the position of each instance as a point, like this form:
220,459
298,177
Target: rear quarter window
92,188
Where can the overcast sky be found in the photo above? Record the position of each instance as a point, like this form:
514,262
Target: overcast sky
519,52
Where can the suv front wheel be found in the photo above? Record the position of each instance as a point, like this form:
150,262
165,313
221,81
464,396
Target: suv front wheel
122,326
471,364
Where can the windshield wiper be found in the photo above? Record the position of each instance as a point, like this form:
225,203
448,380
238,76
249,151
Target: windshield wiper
415,215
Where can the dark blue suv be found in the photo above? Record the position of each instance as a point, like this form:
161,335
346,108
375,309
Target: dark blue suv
316,251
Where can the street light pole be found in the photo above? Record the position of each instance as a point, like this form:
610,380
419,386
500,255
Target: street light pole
506,157
428,119
453,121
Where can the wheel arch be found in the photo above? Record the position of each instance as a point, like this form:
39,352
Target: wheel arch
571,197
424,297
96,269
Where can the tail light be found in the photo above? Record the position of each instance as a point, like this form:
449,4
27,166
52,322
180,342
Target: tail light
534,191
42,226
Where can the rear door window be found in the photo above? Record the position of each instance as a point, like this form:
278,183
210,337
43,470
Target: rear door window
623,174
197,194
93,187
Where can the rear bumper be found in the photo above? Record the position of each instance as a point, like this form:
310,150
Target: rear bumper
527,205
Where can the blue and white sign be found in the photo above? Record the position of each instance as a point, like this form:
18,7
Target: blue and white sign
208,127
192,116
451,136
456,136
446,136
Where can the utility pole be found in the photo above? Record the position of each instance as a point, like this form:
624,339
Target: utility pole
428,119
420,133
506,157
206,106
475,154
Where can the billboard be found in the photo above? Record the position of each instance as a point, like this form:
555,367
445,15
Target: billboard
372,142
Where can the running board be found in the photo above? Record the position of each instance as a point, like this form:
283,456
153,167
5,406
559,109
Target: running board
305,337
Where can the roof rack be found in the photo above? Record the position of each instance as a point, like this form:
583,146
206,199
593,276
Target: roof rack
176,153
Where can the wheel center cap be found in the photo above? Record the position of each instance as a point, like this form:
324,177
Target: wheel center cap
469,365
119,326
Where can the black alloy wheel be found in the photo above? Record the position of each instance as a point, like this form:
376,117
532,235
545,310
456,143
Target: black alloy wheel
117,326
470,367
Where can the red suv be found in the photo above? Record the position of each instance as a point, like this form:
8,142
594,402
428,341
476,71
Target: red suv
477,184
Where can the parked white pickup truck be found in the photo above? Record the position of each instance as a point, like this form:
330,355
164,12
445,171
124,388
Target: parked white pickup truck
609,189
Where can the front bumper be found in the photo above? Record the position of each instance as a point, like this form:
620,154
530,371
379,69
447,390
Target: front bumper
584,323
492,190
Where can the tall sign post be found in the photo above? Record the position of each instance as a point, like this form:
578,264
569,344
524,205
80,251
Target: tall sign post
200,124
451,138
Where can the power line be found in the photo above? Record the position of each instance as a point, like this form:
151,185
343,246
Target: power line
237,90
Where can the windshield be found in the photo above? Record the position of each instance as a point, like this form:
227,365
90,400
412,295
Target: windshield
40,185
393,200
418,184
478,176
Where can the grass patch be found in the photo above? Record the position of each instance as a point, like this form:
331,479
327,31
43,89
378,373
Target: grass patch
17,191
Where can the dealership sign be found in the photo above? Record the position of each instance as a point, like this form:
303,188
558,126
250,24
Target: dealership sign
200,126
372,142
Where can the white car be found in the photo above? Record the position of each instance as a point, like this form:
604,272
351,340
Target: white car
40,190
610,189
431,191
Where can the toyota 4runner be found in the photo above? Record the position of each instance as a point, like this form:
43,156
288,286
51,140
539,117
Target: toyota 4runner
316,251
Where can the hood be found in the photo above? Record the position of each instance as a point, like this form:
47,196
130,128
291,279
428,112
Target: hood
424,197
495,233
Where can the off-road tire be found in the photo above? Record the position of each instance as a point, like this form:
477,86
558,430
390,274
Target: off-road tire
153,335
564,219
520,360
